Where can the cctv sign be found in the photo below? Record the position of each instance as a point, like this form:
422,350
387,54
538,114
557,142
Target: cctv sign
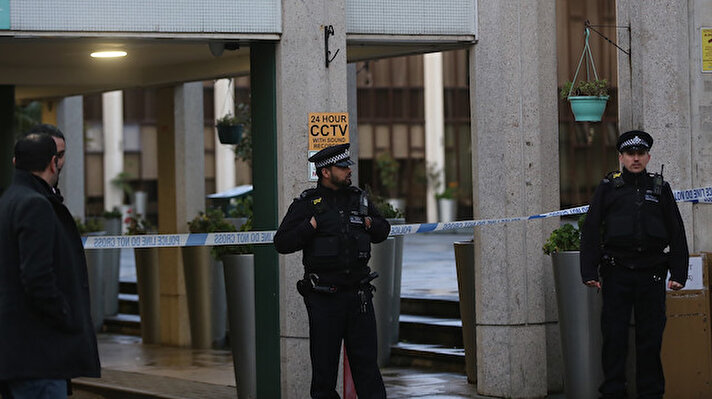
326,129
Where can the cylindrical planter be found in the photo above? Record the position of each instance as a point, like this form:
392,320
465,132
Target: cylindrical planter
382,259
149,295
397,275
447,210
580,326
240,290
95,274
204,283
465,265
112,265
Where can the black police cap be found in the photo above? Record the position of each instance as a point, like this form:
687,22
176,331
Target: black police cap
335,155
634,140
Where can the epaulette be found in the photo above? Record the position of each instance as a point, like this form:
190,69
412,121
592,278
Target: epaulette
355,189
306,193
616,177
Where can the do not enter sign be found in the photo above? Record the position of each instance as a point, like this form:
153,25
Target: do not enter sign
327,129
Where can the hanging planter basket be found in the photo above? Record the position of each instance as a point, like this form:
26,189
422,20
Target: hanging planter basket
229,134
588,97
588,108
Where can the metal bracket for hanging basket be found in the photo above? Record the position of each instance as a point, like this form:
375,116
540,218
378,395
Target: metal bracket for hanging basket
588,108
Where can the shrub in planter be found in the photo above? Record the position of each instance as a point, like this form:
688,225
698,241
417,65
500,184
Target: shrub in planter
565,238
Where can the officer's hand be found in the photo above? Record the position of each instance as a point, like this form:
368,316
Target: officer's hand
674,285
593,283
313,222
367,222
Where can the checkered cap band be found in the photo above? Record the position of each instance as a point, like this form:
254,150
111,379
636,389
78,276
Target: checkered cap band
634,142
332,160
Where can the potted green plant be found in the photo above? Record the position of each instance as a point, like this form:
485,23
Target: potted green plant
243,149
112,263
147,279
588,99
239,268
205,283
229,129
579,310
388,174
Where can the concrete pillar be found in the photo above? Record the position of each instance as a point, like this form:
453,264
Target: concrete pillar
670,98
701,126
181,195
223,94
515,173
70,120
352,93
7,136
113,118
302,73
434,129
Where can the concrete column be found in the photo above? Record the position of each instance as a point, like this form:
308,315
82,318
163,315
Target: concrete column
701,126
515,173
223,94
7,136
302,73
664,71
70,120
352,93
113,118
181,195
434,129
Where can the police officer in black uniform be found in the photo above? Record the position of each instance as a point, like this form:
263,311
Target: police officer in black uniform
334,224
632,236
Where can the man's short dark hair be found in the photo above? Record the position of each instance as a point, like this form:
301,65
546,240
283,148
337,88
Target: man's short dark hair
34,152
46,129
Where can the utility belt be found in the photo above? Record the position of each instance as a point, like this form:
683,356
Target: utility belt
610,263
311,283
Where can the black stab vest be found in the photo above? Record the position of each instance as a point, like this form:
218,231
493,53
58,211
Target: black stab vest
341,243
634,219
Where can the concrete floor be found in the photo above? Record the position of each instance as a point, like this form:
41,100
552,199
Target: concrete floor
428,271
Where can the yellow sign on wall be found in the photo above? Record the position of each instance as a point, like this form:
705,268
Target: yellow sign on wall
327,129
706,49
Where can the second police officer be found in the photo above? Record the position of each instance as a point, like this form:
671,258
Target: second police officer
334,225
633,234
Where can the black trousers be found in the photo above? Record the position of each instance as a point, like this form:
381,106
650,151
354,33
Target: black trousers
641,291
333,318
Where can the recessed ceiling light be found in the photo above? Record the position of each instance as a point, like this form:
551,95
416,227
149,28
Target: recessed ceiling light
108,54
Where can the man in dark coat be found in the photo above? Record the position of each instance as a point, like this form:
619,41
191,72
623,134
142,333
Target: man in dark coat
334,224
46,333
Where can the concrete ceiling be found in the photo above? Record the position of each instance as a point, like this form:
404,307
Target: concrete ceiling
50,67
53,67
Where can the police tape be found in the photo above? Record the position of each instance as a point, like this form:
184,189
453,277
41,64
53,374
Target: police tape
695,195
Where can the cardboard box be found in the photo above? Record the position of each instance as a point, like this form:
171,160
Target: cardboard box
687,342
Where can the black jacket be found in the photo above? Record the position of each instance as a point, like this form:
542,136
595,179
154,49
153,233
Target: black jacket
339,248
628,221
45,323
